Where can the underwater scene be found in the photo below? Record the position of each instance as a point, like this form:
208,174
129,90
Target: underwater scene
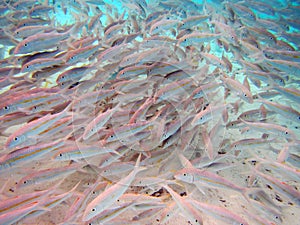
148,112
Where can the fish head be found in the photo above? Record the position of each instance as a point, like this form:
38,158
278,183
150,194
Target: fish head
288,134
7,109
185,176
202,119
247,97
184,43
24,47
26,68
61,156
16,141
91,212
24,182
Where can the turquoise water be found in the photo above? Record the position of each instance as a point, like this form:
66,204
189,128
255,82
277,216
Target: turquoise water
149,112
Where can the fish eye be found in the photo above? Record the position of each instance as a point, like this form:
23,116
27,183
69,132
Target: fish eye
6,107
16,138
286,132
245,95
184,174
25,44
25,181
93,209
27,66
60,155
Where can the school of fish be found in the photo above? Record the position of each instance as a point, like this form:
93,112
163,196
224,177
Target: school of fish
150,112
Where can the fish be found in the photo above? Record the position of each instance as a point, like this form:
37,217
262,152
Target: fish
82,54
236,86
22,100
268,78
110,195
286,111
24,32
18,214
23,155
13,203
250,143
127,130
205,89
185,207
39,64
40,42
111,213
207,114
98,122
193,21
81,152
163,25
47,175
173,89
111,53
219,212
25,135
132,71
245,13
194,176
196,37
281,186
290,93
271,128
255,114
